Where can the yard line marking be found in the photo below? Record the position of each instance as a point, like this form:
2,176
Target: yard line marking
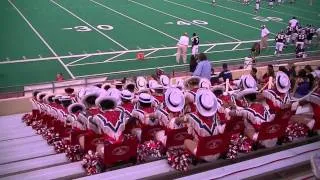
42,39
236,46
239,11
85,57
204,12
209,48
184,20
70,53
155,29
74,15
155,57
128,51
277,11
113,57
181,65
151,53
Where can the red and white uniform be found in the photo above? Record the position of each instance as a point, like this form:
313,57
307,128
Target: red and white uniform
127,107
146,116
205,126
159,100
111,123
190,97
276,100
85,121
168,119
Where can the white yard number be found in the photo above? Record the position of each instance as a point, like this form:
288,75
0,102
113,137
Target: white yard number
263,19
103,27
199,22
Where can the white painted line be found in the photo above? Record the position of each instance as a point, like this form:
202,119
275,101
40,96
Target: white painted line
78,60
67,28
234,48
209,48
41,38
113,57
40,56
89,25
23,57
217,61
8,59
151,53
70,53
184,20
238,11
162,45
148,26
210,14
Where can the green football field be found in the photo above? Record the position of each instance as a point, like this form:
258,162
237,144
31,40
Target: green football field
82,38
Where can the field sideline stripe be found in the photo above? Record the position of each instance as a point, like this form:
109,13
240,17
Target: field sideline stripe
204,12
155,29
239,11
179,65
80,59
74,15
42,39
117,52
185,20
278,12
173,55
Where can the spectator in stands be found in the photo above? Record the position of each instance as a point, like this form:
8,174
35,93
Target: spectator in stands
254,73
269,73
59,77
203,68
292,74
193,63
225,74
157,75
303,85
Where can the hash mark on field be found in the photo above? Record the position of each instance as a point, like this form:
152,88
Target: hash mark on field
113,57
138,47
163,45
8,59
236,46
112,49
66,28
70,53
24,57
40,56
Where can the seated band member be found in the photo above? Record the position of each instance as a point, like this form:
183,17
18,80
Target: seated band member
191,85
145,114
204,122
254,114
110,120
172,116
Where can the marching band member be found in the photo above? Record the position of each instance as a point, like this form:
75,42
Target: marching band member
204,122
127,107
254,114
278,98
172,116
145,113
164,81
157,91
141,84
191,85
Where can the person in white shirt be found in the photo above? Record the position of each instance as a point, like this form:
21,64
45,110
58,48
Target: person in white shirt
293,22
264,37
182,48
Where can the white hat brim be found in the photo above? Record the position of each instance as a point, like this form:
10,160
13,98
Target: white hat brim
201,109
279,88
167,100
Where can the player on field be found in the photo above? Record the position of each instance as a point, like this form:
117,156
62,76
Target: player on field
293,22
301,38
289,32
246,2
257,6
280,39
214,3
195,44
310,31
271,3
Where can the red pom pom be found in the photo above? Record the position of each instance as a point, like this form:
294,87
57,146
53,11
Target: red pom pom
295,131
179,159
74,152
150,150
92,163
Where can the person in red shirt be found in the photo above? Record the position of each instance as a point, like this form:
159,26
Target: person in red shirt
59,77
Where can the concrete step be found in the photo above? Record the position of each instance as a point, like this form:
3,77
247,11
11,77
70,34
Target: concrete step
21,141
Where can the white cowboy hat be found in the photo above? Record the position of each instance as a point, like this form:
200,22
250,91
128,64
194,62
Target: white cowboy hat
106,86
204,83
41,95
145,98
141,83
164,80
89,95
152,83
206,102
102,99
49,98
113,92
282,82
247,81
87,90
130,86
76,107
126,94
246,92
174,99
316,73
194,79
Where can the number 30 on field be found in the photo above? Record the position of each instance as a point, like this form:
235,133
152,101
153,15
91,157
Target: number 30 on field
87,29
